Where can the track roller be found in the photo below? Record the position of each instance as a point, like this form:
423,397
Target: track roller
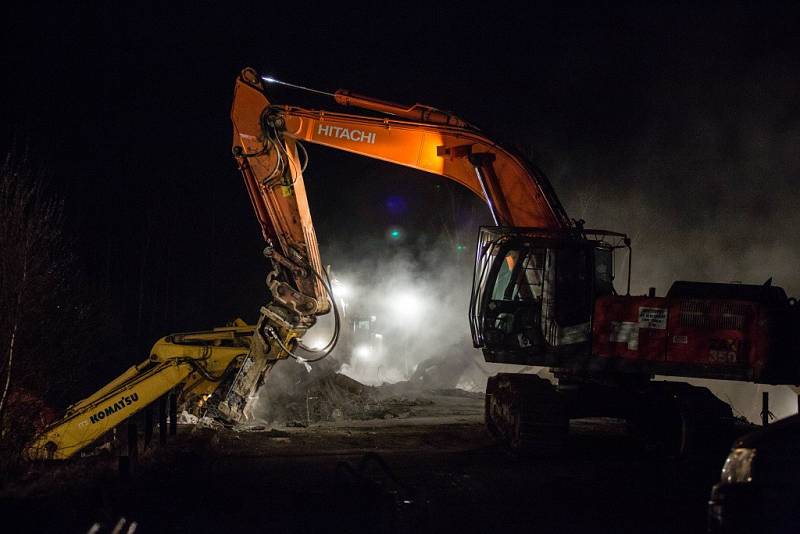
526,412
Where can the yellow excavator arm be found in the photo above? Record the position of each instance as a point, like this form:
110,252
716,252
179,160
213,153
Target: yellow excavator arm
197,360
203,364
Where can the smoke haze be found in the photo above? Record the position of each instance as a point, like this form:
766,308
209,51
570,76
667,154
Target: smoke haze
417,304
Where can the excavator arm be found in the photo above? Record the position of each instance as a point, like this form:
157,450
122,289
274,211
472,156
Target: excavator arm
198,361
215,373
435,142
267,143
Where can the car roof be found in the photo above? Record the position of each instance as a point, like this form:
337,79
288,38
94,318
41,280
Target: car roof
785,430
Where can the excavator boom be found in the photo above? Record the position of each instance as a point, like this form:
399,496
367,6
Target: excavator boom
266,142
436,142
197,360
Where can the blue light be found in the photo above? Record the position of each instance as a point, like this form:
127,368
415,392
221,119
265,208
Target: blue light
396,205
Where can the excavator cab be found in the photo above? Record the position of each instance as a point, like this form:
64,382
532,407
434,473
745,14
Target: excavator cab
534,290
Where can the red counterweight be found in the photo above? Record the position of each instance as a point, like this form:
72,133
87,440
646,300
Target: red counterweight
722,331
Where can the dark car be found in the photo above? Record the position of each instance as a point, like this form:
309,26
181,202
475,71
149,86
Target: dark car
759,488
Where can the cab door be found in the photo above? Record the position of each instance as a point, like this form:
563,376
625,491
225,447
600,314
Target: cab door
568,295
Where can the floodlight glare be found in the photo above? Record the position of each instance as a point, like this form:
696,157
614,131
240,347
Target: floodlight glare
363,352
314,343
340,290
406,305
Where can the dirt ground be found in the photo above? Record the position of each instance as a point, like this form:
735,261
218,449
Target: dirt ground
427,466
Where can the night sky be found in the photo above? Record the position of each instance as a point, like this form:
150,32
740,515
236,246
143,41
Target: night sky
679,125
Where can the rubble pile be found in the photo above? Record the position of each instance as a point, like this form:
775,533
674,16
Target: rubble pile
292,396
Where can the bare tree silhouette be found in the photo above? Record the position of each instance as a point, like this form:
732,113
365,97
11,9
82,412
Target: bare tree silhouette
35,314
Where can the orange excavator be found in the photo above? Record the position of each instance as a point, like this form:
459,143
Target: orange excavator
543,294
543,288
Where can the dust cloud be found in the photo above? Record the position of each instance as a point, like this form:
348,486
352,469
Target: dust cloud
406,313
404,322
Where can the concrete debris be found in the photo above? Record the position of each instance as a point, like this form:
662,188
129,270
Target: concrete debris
304,363
207,422
185,418
297,399
249,428
296,424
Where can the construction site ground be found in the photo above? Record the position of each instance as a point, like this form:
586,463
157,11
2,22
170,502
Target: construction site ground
426,467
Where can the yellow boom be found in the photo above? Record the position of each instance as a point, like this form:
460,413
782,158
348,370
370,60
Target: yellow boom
197,362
